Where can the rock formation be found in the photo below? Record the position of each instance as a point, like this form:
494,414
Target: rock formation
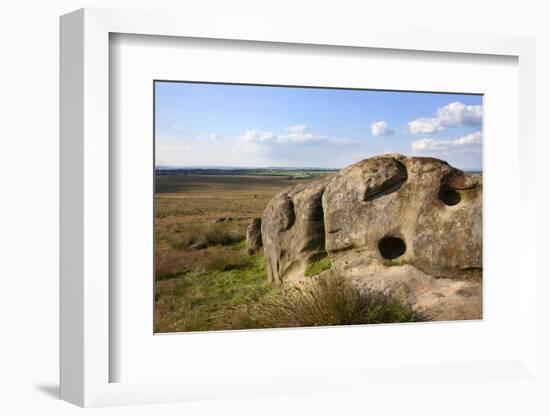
254,236
419,211
412,225
293,231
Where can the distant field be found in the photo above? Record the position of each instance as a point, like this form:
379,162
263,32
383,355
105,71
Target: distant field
203,277
205,184
255,172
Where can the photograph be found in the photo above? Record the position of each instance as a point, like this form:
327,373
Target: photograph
282,206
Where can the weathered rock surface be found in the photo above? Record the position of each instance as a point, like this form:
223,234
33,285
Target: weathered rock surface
431,207
439,299
254,236
412,225
293,230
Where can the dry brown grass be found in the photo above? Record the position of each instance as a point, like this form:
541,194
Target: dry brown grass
175,263
198,236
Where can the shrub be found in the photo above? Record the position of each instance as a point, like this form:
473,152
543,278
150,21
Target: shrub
330,299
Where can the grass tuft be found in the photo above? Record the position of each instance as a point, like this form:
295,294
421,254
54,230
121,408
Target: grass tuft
330,299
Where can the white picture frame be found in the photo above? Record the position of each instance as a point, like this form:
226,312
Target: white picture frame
85,210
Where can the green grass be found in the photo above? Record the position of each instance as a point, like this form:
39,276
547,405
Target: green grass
318,266
207,300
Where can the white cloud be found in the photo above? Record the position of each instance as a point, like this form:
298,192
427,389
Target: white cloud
300,138
208,137
470,139
289,147
467,144
452,115
381,128
258,136
298,128
297,135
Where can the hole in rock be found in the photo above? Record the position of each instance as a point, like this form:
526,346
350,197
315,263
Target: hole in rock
391,247
449,196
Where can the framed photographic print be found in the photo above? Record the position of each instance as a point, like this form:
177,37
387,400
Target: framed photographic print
274,212
279,206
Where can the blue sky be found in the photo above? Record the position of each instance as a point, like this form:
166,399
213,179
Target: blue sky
258,126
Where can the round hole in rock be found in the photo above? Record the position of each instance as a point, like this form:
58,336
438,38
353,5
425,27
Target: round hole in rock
449,196
391,247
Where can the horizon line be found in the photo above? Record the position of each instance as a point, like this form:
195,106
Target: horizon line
228,167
